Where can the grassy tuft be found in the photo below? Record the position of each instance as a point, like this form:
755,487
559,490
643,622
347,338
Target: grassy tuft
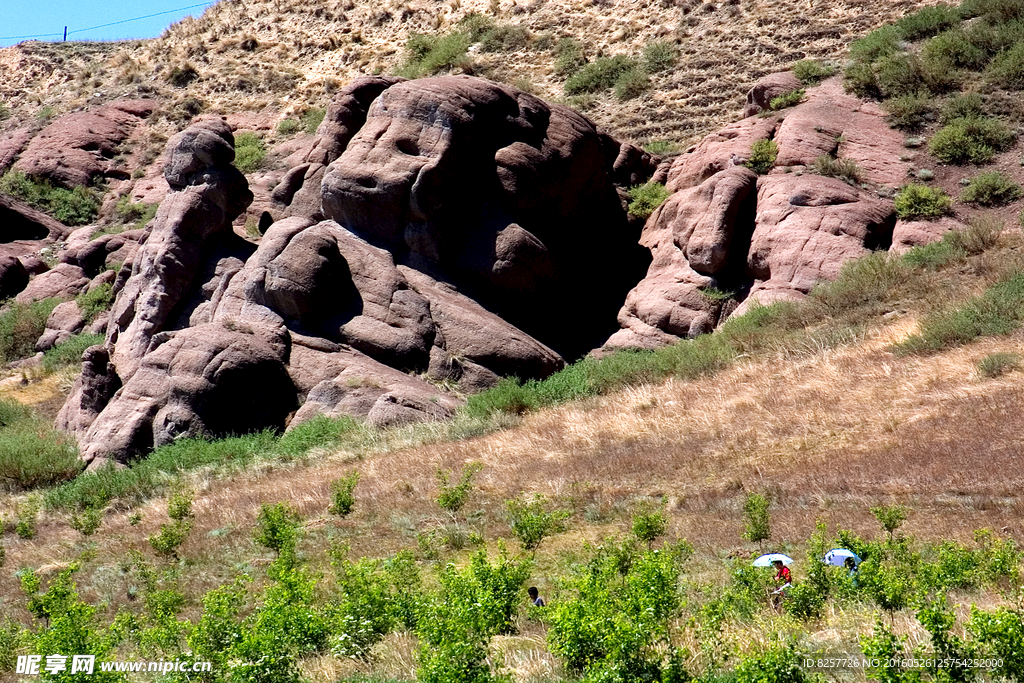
928,21
999,363
33,454
999,311
660,55
601,74
249,152
644,199
991,189
921,201
971,140
20,328
69,352
569,58
78,206
810,71
762,156
966,106
844,169
909,112
790,99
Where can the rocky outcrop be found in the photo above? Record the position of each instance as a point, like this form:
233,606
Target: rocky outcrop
509,198
13,276
79,146
760,96
909,234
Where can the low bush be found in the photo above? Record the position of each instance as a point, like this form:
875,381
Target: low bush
630,84
859,78
995,11
762,156
900,74
999,311
991,189
935,255
20,328
532,522
277,527
343,497
69,352
311,119
182,74
452,496
569,57
249,152
78,206
429,55
318,432
861,282
879,43
954,49
909,112
790,99
1006,70
921,201
95,301
965,106
971,140
506,38
601,74
138,213
659,55
661,147
845,169
810,71
928,21
33,454
644,199
287,126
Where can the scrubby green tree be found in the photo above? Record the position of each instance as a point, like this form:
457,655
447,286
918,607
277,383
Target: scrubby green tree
277,527
756,518
532,522
452,497
343,494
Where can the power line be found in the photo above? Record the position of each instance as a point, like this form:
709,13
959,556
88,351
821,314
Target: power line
113,23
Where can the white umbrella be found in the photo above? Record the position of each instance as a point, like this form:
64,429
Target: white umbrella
770,558
838,556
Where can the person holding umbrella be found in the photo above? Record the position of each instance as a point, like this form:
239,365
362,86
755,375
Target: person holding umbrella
784,577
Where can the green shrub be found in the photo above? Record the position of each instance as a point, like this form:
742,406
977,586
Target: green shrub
506,38
900,74
993,10
477,26
970,140
600,74
630,84
88,522
569,58
877,44
921,201
966,106
319,432
845,169
95,301
1006,70
249,152
311,119
909,111
429,55
138,213
277,527
762,156
33,454
171,536
1000,632
861,283
644,199
12,412
287,126
810,71
954,49
452,497
859,78
343,497
998,311
661,147
779,662
532,522
20,328
659,55
77,206
756,518
5,112
69,352
998,363
928,21
934,255
790,99
991,189
649,525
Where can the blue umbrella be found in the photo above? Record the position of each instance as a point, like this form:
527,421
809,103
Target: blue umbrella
837,557
769,559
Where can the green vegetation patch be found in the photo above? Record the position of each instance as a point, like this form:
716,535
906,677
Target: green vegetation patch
910,111
999,363
790,99
928,21
762,156
810,71
659,55
32,453
971,140
569,57
249,152
600,75
428,55
999,311
991,189
95,301
846,170
644,199
138,213
21,326
921,201
78,206
69,352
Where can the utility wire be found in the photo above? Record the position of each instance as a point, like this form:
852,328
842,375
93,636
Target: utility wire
113,23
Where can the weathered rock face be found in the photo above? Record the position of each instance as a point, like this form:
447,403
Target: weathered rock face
509,198
770,238
76,147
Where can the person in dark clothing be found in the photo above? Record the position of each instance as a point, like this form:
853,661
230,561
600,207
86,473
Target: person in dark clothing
535,598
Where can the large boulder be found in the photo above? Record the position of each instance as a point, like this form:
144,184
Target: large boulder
13,276
699,239
760,96
510,198
79,146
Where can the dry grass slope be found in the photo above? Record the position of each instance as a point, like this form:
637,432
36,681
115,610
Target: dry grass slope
287,56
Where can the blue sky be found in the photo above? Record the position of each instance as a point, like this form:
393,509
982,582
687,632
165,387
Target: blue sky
89,19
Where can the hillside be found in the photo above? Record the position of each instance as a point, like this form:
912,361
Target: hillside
281,58
318,407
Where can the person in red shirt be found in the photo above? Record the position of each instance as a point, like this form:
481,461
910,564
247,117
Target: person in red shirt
783,577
